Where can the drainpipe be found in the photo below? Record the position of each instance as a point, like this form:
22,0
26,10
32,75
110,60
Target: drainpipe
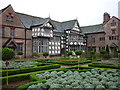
25,44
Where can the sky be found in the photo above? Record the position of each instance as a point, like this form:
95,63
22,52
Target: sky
87,12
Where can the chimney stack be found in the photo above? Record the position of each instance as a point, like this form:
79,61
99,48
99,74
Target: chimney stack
106,17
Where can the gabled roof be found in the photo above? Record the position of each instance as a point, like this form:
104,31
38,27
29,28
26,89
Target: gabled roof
8,42
2,10
68,24
92,29
113,45
116,18
58,26
29,20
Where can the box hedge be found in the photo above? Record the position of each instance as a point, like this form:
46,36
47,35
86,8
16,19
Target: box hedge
32,69
105,66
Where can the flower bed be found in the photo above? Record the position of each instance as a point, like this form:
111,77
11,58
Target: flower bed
96,78
18,64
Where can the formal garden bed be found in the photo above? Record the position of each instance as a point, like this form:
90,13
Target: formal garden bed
18,64
94,78
68,61
41,67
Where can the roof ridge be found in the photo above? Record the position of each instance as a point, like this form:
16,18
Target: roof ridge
5,8
116,18
29,15
92,25
69,21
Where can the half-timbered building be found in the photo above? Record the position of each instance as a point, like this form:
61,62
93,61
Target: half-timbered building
31,34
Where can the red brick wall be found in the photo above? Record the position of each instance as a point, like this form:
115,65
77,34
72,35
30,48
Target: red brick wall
108,30
97,43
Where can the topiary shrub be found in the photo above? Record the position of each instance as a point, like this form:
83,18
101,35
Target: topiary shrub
102,52
45,54
78,52
7,53
92,53
69,53
20,52
106,56
118,53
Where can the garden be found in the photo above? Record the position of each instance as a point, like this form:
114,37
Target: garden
62,72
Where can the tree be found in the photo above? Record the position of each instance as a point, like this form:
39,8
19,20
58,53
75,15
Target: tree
7,53
102,52
107,49
78,53
92,53
45,54
118,53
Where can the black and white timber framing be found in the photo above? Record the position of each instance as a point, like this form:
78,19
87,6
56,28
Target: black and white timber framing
56,37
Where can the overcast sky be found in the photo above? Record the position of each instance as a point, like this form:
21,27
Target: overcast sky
88,12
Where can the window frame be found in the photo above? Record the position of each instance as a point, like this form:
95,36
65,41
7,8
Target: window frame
12,32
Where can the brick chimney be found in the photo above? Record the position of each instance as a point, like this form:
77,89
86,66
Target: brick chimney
106,17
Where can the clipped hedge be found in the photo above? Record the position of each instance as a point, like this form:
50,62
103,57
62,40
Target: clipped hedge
15,78
25,86
32,69
42,64
45,60
105,66
19,77
70,62
36,80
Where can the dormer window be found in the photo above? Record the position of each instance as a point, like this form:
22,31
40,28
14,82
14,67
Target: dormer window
9,17
113,23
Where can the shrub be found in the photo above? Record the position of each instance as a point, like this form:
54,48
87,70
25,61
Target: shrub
31,69
78,52
107,49
7,53
69,53
45,54
105,66
92,53
102,51
106,56
20,52
118,51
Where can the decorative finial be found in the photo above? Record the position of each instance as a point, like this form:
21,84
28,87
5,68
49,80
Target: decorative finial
76,18
49,15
